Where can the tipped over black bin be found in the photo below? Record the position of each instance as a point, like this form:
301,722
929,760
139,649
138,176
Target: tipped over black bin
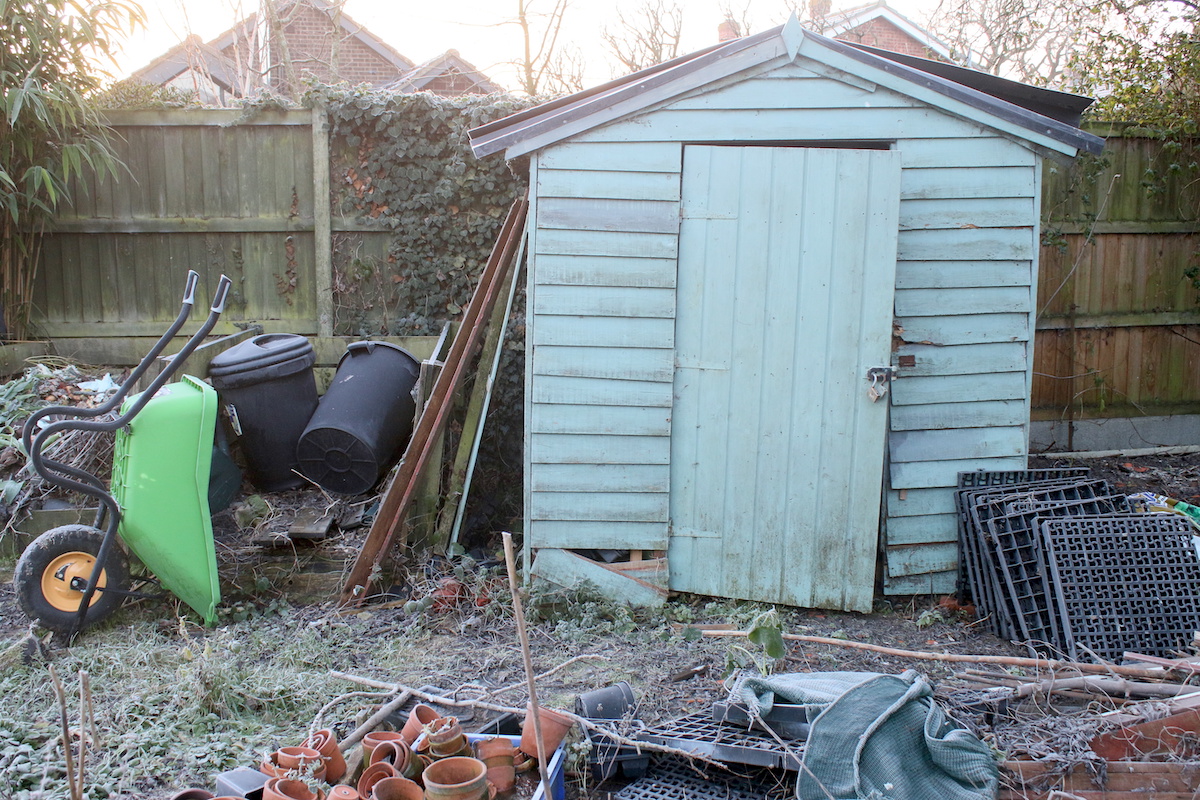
267,384
363,421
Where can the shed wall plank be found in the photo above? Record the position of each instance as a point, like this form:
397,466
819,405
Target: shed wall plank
608,185
810,92
956,182
618,157
601,392
974,212
937,416
970,151
985,244
605,271
919,502
956,443
967,329
640,364
921,559
964,274
604,534
572,449
967,359
606,301
624,420
604,331
606,243
601,506
782,125
915,390
952,300
932,583
641,478
932,529
589,214
931,474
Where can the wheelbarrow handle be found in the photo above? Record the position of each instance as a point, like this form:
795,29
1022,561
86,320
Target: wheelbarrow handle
189,301
218,304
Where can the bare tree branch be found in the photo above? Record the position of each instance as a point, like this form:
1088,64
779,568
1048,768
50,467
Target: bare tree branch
649,36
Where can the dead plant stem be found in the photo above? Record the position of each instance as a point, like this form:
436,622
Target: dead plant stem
72,782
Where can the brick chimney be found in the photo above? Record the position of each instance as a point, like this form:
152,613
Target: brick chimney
728,30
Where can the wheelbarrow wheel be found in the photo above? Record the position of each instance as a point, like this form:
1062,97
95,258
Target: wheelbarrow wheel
45,577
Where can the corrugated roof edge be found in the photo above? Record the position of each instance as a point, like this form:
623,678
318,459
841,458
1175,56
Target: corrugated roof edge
503,133
1013,110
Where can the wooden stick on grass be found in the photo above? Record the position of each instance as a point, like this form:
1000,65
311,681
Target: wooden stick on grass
510,561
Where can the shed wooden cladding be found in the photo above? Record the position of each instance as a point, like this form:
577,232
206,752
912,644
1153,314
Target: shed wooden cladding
624,322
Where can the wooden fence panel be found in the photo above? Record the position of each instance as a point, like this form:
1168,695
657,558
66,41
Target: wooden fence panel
202,190
1118,331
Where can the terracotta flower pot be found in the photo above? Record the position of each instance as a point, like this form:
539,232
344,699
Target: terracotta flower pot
397,789
456,778
373,739
344,793
403,760
290,789
325,744
418,718
373,775
299,758
555,725
445,737
308,764
497,754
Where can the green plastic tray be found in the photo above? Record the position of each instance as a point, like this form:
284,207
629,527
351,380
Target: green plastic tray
161,465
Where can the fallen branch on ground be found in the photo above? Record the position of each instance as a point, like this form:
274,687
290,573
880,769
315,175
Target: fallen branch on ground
1053,665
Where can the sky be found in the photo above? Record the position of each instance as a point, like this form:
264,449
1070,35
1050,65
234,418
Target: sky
481,30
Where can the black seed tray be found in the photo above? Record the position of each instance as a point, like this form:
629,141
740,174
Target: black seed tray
1124,582
697,733
989,582
1018,553
675,779
969,576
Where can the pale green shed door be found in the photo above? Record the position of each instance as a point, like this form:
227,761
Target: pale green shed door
786,275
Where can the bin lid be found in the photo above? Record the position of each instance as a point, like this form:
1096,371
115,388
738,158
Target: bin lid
366,347
261,358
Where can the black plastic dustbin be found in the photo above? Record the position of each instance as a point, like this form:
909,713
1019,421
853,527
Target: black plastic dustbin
266,383
363,420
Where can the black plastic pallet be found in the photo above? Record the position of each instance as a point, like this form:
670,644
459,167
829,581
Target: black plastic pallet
1017,551
1124,582
980,505
674,779
698,734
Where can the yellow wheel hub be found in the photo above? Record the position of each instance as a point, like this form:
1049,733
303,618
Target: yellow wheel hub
58,575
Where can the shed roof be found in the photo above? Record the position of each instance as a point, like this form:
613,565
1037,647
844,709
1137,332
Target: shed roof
1041,117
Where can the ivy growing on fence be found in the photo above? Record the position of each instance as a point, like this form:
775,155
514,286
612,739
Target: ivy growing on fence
402,163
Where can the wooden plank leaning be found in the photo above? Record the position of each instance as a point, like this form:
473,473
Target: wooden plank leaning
400,491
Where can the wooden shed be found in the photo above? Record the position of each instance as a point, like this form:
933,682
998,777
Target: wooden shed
781,291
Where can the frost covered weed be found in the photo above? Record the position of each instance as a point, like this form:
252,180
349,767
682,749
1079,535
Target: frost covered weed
176,704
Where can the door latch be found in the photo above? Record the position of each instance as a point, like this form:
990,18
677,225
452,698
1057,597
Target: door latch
880,378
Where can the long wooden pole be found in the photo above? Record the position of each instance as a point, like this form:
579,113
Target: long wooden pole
400,491
1012,661
510,561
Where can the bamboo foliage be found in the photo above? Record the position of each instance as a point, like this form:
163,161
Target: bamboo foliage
49,130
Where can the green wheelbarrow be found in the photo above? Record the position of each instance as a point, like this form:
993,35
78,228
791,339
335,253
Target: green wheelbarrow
73,576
